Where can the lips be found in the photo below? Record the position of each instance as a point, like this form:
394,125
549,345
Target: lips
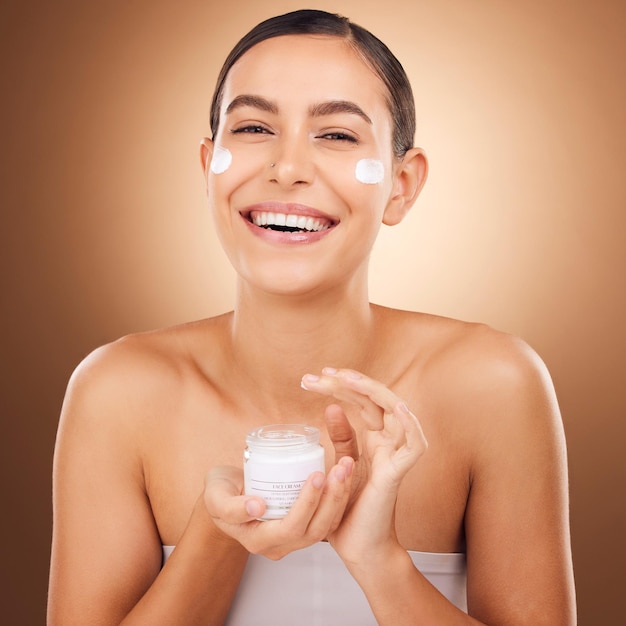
288,222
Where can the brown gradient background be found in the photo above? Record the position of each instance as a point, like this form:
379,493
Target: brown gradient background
522,224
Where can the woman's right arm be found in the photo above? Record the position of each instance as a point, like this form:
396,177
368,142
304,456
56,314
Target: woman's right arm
106,550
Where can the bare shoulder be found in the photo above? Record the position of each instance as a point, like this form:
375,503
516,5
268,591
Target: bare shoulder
471,350
136,374
496,390
474,354
498,369
143,353
482,358
475,374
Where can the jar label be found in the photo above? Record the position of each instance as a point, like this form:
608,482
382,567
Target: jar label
279,484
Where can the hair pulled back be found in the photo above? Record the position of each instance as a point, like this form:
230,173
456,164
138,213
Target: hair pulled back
373,51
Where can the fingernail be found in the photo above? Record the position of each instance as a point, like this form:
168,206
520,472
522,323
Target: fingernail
330,371
253,508
308,378
318,480
347,463
404,408
340,473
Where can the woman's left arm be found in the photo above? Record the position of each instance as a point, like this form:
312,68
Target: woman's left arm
517,527
366,538
517,517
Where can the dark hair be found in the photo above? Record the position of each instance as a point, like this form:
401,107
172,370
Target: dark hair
373,51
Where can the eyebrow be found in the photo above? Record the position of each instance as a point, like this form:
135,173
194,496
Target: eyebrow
321,109
257,102
338,106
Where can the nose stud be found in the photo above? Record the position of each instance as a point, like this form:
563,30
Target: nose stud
272,164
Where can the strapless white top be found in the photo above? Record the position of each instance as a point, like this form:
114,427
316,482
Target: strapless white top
312,587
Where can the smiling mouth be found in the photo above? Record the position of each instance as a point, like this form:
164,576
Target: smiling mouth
289,222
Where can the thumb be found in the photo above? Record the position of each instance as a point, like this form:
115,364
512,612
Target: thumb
223,489
341,433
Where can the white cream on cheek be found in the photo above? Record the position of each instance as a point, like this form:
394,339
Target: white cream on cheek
222,158
369,171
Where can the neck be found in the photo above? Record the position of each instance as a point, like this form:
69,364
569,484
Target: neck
276,339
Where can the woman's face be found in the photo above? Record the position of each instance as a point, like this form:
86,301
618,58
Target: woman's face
301,169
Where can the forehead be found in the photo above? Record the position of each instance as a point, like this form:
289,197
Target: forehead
306,67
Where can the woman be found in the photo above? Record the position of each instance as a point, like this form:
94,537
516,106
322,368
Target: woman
311,150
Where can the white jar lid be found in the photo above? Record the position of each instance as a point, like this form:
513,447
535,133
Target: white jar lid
283,436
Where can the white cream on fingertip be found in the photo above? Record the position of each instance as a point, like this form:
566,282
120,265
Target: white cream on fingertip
369,171
221,160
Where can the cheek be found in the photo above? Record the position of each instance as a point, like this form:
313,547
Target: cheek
363,185
228,170
369,171
221,161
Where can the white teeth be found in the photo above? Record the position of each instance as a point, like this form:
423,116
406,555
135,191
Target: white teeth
302,222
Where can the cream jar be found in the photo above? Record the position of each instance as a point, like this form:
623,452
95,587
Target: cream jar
277,461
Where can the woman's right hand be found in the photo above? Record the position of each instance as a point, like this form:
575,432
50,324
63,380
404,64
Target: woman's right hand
315,514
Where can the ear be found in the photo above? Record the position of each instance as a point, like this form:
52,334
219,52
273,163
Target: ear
409,179
206,154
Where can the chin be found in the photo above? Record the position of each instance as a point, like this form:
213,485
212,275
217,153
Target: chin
303,284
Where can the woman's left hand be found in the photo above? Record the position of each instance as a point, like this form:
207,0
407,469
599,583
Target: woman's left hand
391,444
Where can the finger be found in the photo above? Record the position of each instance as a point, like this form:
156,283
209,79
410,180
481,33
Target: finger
377,392
415,443
333,386
412,428
349,384
302,510
337,388
341,433
224,500
333,502
309,520
348,464
224,481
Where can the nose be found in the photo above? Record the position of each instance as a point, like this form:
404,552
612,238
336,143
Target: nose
292,163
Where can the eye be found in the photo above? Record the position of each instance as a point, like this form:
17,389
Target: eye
252,129
339,136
